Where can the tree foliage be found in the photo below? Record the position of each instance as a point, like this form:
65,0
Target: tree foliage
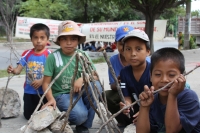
172,15
88,10
151,9
49,9
8,12
195,13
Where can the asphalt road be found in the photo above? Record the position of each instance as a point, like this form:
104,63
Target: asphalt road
15,56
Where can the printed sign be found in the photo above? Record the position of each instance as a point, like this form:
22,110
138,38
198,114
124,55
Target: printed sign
104,31
23,25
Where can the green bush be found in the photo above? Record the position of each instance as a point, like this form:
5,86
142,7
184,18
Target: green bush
193,44
192,41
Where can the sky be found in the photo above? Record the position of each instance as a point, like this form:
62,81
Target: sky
195,5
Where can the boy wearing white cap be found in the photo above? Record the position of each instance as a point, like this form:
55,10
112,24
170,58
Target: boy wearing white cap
82,114
133,77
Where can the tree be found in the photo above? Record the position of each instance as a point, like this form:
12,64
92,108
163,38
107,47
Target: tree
172,15
151,9
195,13
95,11
49,9
8,13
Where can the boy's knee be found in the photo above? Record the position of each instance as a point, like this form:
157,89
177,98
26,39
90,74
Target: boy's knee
78,117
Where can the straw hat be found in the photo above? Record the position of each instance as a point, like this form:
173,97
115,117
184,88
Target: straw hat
69,27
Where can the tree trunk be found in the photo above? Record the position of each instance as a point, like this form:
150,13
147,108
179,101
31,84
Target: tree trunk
149,29
85,12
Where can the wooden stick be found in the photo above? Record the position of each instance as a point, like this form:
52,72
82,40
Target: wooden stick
93,94
89,71
71,95
116,82
2,103
104,101
87,92
116,114
114,76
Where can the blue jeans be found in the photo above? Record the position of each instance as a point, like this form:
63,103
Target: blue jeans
82,113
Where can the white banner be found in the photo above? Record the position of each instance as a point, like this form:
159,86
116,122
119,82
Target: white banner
23,25
104,31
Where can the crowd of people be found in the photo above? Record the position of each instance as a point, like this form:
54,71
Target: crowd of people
97,46
173,109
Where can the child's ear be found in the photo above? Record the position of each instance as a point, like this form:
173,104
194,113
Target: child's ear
148,52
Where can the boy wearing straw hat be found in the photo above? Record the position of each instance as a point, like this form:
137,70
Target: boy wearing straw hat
82,114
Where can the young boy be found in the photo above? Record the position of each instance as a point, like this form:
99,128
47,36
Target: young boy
34,61
175,109
118,62
137,74
82,114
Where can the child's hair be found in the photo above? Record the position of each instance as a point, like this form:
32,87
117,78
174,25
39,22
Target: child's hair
147,44
164,54
39,27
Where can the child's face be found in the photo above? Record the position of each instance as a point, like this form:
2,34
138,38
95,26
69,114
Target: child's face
39,40
120,47
164,72
135,52
68,44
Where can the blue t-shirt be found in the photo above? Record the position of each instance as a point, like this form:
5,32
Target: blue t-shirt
189,111
130,85
34,64
117,66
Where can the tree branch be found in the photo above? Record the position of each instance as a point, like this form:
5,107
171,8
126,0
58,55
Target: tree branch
137,5
178,3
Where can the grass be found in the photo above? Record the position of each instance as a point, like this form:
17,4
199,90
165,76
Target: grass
3,73
99,60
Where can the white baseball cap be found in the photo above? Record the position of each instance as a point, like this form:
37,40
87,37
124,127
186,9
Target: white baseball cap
136,33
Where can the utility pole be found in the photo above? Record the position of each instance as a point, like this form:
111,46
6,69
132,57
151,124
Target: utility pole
187,25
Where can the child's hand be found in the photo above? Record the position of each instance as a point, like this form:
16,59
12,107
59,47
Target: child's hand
146,96
95,77
51,102
78,85
122,105
37,83
10,69
177,86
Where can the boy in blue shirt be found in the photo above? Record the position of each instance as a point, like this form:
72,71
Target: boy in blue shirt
176,108
34,61
137,74
118,62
